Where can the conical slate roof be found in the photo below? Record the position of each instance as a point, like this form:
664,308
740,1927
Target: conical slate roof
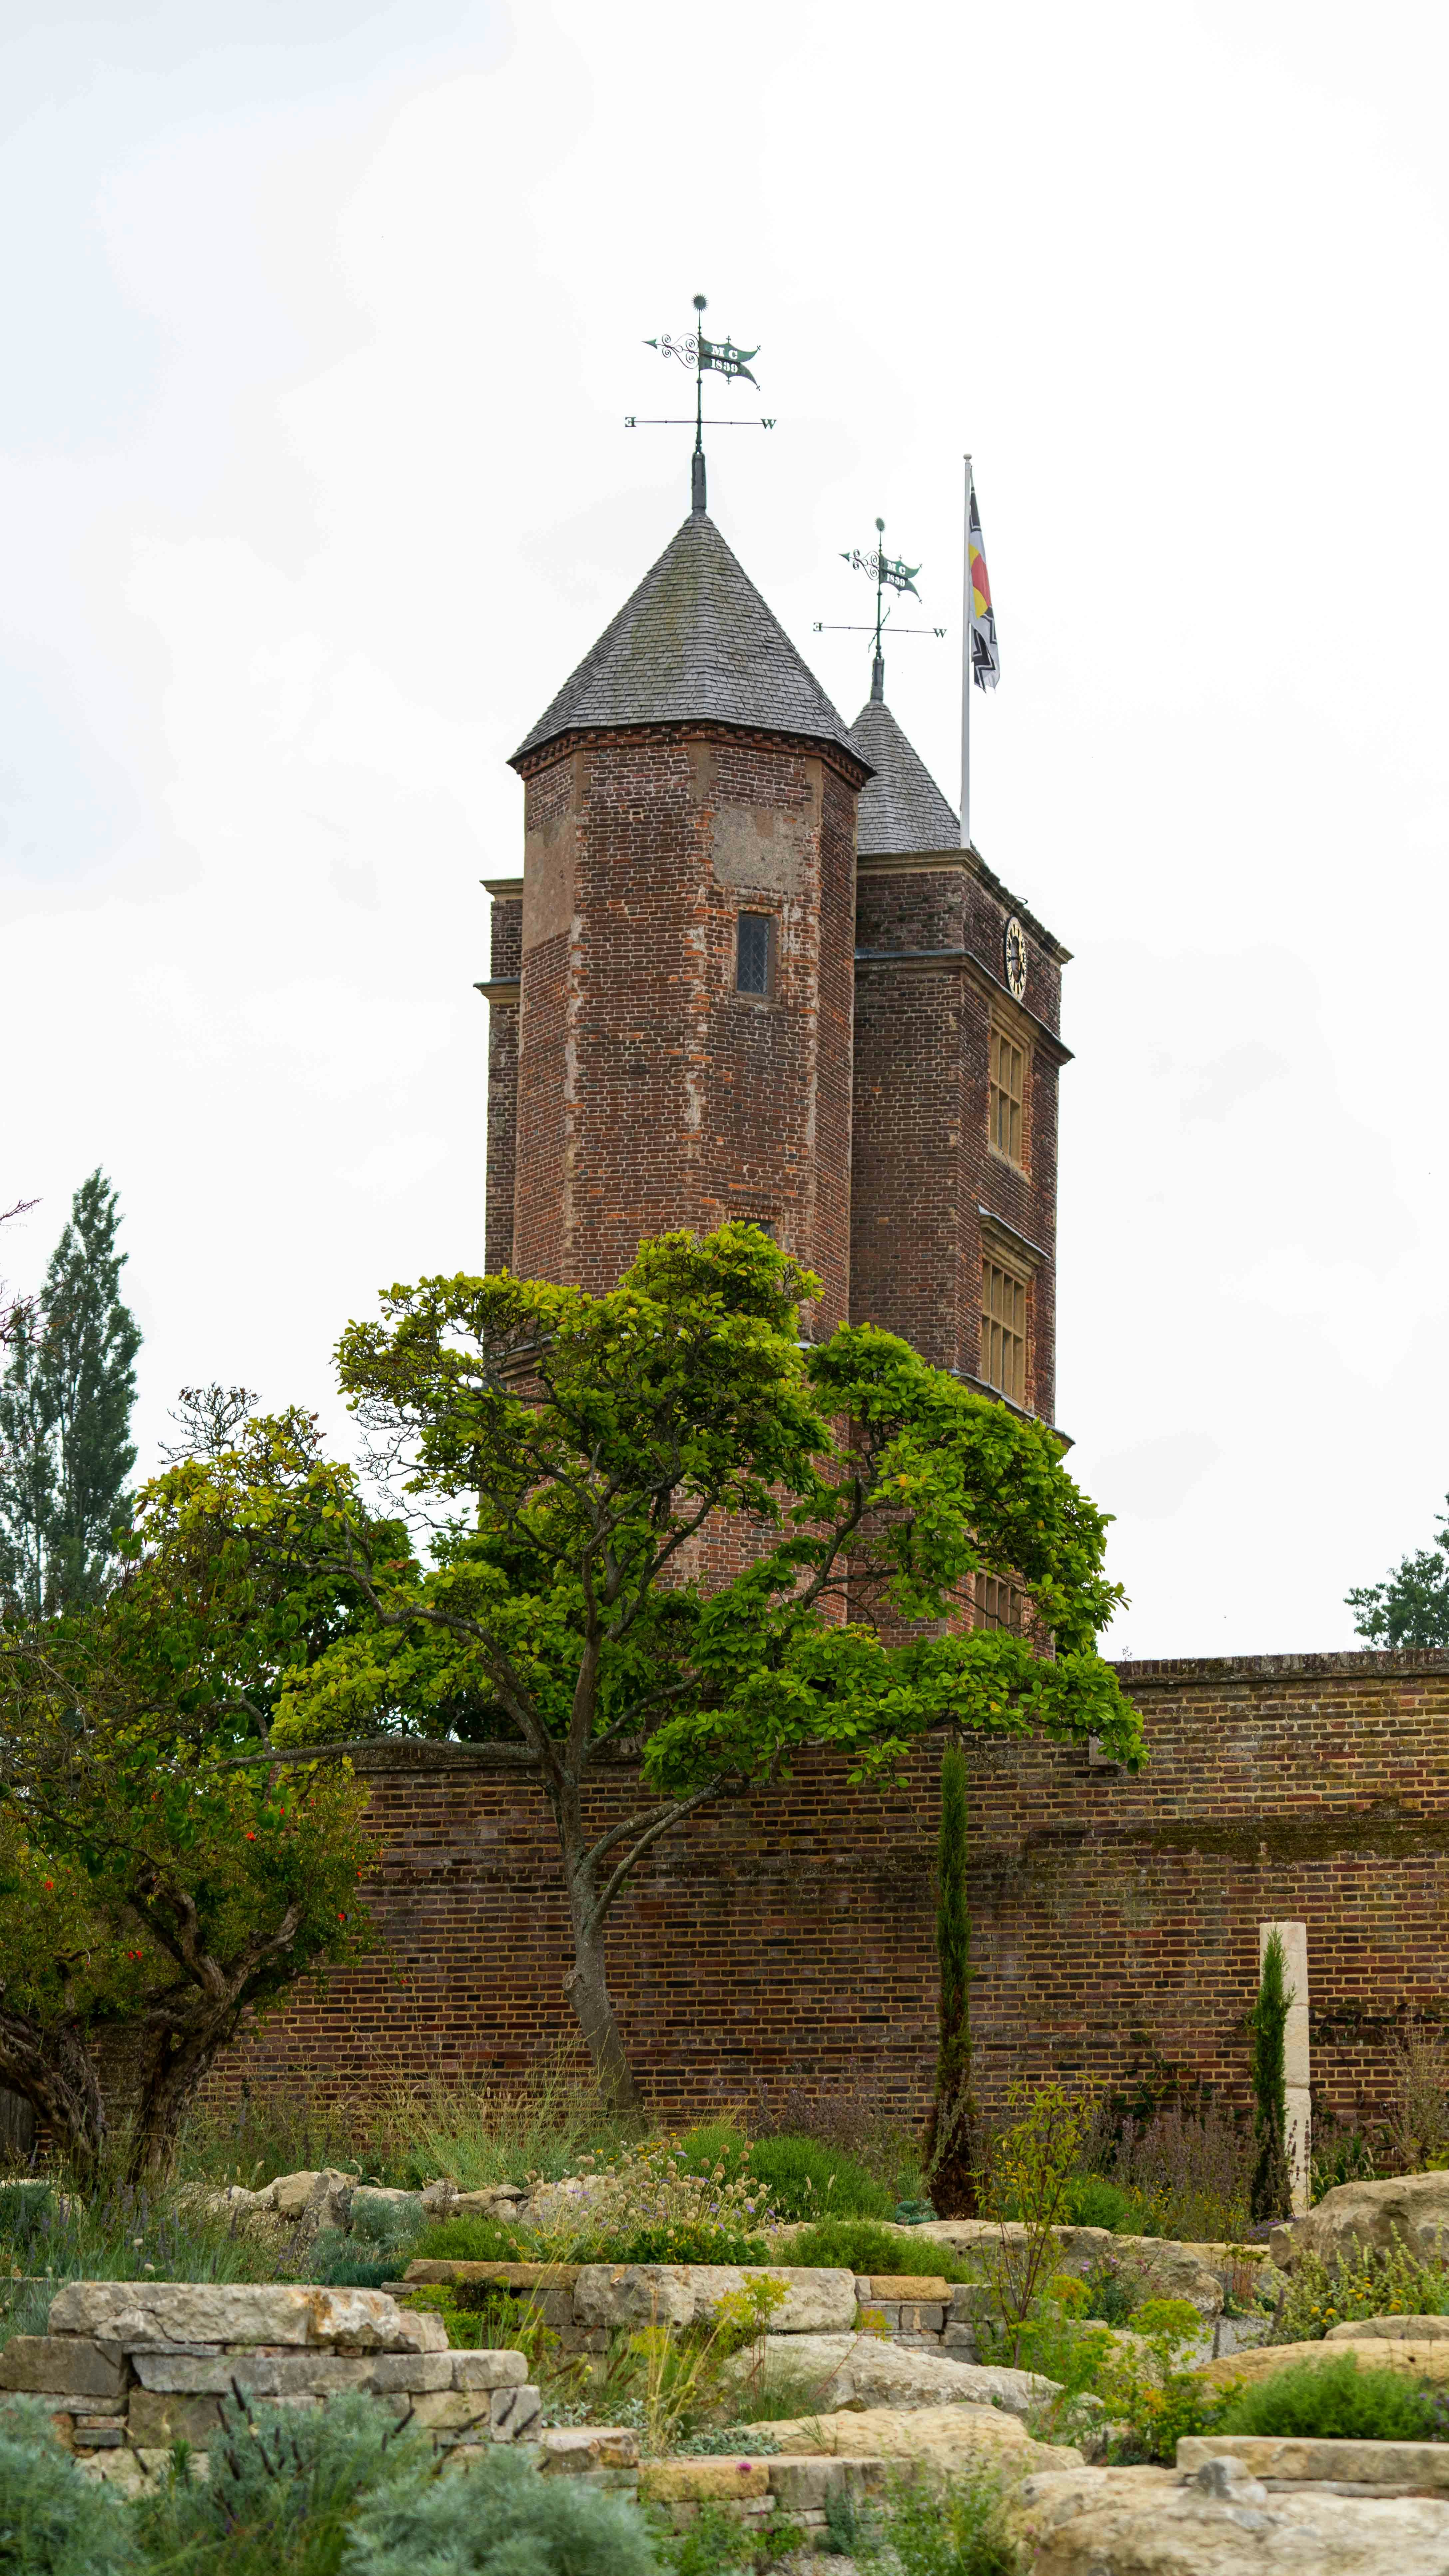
901,807
695,641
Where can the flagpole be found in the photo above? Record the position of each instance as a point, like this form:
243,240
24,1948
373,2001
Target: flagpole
966,641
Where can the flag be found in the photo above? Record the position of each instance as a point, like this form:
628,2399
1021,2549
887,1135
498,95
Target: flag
985,652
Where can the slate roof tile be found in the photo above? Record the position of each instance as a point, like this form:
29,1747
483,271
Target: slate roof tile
901,807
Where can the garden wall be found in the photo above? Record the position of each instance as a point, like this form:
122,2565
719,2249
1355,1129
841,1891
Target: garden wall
787,1940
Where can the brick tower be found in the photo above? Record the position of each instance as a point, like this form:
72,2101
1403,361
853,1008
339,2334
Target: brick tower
957,1012
673,997
751,971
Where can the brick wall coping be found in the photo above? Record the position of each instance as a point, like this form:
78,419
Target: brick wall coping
1362,1663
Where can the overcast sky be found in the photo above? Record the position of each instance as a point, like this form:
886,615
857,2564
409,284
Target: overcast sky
321,320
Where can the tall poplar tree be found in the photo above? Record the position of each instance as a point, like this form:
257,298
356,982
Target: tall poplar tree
65,1417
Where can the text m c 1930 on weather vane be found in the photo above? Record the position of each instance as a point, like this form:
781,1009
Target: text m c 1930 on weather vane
889,573
706,357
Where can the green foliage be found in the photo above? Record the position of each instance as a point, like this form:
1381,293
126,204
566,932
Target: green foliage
1146,2391
715,2544
284,2491
144,1881
1029,2166
679,2242
1367,2281
502,2519
53,2522
553,1609
471,2240
955,2529
1411,1606
1333,2401
862,2245
803,2178
65,1413
1090,2200
1271,2195
121,2234
949,2135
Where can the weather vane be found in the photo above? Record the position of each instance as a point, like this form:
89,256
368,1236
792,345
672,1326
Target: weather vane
718,357
888,572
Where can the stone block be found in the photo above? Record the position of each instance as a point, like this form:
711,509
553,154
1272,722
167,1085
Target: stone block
420,2330
61,2366
149,2314
156,2419
410,2374
567,2449
909,2288
729,2480
800,2485
265,2375
107,2436
817,2301
450,2410
513,2415
488,2369
959,2342
1302,2461
1392,2329
291,2192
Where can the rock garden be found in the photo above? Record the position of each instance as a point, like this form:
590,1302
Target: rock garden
513,2334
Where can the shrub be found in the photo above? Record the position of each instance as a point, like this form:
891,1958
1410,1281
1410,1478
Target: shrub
1418,2127
1333,2401
863,2245
804,2178
503,2515
683,2242
652,2195
471,2240
53,2522
283,2489
1371,2281
953,2530
853,2116
1185,2174
1092,2201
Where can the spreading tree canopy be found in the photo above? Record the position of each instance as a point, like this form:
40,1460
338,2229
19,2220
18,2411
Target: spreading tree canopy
580,1457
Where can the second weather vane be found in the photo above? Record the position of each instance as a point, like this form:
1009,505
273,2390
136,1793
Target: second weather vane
888,572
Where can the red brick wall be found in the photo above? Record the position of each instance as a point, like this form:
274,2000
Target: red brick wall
788,1938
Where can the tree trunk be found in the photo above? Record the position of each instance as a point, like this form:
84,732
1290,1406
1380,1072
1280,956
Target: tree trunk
167,2090
53,2070
587,1988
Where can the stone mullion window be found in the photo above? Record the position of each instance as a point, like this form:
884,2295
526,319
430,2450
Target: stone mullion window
1006,1096
1003,1329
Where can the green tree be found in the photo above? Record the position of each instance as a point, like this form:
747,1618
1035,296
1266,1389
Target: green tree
949,2130
150,1894
582,1458
1272,2192
65,1413
1411,1606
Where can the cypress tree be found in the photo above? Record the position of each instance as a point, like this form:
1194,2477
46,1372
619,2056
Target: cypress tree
1272,2190
948,2134
65,1417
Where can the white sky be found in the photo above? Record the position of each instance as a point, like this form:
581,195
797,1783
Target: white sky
320,322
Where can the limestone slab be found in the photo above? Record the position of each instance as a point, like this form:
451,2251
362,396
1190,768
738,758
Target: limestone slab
270,2375
409,2373
1155,2522
568,2450
61,2366
157,2418
148,2314
514,2412
1392,2329
483,2369
710,2481
1361,2464
863,2369
948,2439
1428,2360
817,2301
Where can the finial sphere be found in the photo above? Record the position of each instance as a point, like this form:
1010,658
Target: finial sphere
699,303
880,527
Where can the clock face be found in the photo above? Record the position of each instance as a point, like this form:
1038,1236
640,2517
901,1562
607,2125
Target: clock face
1015,959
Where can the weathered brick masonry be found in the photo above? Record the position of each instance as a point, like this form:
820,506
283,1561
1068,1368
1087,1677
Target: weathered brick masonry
789,1940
